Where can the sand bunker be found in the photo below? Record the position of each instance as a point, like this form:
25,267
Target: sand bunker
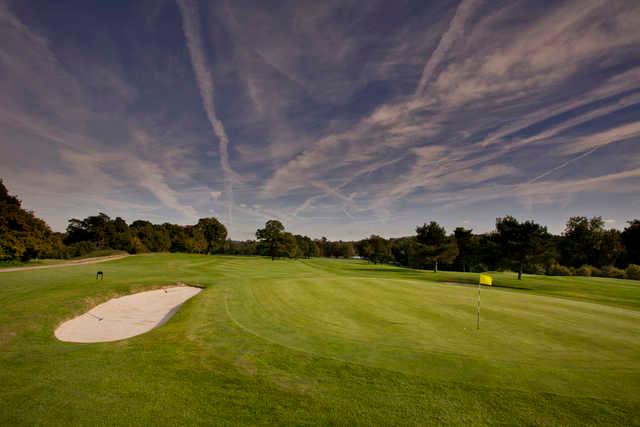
125,317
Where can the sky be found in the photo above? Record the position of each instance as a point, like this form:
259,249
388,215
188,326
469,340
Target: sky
339,118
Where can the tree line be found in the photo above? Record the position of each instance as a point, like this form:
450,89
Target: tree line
585,247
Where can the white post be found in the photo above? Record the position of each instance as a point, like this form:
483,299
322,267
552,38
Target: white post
478,321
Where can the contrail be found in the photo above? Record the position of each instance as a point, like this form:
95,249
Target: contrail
455,30
192,33
563,165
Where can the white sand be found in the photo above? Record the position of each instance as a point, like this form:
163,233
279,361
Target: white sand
127,316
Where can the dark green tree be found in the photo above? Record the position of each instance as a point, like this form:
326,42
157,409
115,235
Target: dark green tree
585,241
288,246
313,249
375,249
631,240
302,246
154,237
23,236
119,235
271,238
467,247
437,246
347,250
400,249
214,233
522,243
93,228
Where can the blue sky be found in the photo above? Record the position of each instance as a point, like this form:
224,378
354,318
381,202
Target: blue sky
339,118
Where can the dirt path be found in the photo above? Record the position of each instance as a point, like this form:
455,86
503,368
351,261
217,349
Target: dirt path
65,264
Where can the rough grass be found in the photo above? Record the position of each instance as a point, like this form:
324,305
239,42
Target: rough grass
323,342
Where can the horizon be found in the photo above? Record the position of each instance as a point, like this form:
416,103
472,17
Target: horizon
339,119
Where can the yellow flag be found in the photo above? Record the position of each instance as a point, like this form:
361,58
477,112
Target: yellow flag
485,280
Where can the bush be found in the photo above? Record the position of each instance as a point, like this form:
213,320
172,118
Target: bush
596,272
559,270
80,249
632,272
585,270
612,272
535,269
137,247
480,268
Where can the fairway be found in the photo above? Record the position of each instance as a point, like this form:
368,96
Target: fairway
322,342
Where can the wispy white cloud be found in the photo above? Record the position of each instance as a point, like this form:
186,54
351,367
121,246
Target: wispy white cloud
542,192
204,77
455,31
498,70
81,163
331,122
600,139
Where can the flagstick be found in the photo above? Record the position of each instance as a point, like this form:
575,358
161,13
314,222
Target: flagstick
478,322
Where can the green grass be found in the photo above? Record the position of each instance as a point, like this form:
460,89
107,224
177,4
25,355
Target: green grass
323,342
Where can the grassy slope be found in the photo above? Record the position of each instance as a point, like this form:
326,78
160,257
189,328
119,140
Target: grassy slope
320,341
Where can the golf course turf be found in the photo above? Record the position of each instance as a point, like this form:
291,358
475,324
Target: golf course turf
322,342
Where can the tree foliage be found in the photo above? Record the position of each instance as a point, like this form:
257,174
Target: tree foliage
522,242
630,237
271,239
375,249
585,241
23,236
214,233
435,245
468,248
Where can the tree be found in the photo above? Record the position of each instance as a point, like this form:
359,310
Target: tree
195,240
585,241
154,237
631,240
272,238
288,247
305,247
302,246
92,228
467,247
177,237
436,245
119,236
522,243
608,248
214,232
248,247
365,249
347,250
322,246
313,249
400,249
375,249
22,235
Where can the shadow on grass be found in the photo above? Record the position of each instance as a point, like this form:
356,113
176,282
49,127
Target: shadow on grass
447,277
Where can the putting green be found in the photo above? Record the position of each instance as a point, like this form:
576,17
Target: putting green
322,342
429,329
